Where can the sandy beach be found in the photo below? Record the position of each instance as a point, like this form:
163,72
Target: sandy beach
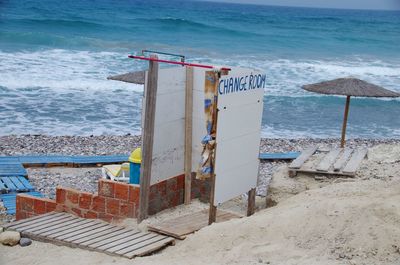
315,220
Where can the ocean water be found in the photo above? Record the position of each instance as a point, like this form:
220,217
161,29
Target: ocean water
55,57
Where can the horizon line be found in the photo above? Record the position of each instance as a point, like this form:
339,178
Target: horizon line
298,6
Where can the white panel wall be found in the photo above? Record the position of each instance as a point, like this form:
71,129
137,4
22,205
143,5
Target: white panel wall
169,125
238,140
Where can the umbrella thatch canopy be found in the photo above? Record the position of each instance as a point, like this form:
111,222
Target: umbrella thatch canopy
132,77
349,87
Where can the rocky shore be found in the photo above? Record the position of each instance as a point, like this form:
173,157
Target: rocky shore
47,179
112,144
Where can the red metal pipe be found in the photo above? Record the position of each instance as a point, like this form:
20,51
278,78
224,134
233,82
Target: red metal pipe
174,62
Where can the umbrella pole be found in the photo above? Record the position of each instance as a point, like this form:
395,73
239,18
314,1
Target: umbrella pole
346,113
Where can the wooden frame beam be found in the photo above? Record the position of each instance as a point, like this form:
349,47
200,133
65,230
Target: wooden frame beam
147,139
188,133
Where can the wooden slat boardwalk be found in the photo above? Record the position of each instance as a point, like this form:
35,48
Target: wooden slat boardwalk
355,160
299,161
342,162
69,230
182,226
326,163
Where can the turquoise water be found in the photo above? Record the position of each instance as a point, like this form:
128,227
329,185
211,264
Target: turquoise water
55,57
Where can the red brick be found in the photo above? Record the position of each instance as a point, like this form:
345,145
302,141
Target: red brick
162,188
106,188
181,182
77,211
39,206
112,206
30,215
18,204
26,202
72,197
134,193
121,191
85,200
61,208
105,217
91,215
172,185
153,193
174,200
127,210
99,204
117,219
61,195
20,215
50,206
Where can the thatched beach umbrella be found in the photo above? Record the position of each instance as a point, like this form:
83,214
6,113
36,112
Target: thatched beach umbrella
349,87
132,77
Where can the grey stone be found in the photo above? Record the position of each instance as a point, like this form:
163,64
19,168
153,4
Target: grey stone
24,242
10,238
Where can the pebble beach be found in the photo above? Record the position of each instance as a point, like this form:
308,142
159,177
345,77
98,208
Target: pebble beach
46,180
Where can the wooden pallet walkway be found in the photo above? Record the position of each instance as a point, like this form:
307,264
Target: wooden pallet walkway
339,161
92,234
182,226
12,169
14,184
60,160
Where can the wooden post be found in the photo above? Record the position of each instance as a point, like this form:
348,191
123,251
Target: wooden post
346,113
212,214
188,133
147,139
251,202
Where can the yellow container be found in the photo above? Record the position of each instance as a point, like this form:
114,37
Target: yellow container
136,156
134,166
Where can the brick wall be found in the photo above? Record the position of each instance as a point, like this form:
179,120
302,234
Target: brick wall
28,206
114,200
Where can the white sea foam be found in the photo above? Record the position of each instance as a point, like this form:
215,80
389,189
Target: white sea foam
66,92
64,69
285,77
